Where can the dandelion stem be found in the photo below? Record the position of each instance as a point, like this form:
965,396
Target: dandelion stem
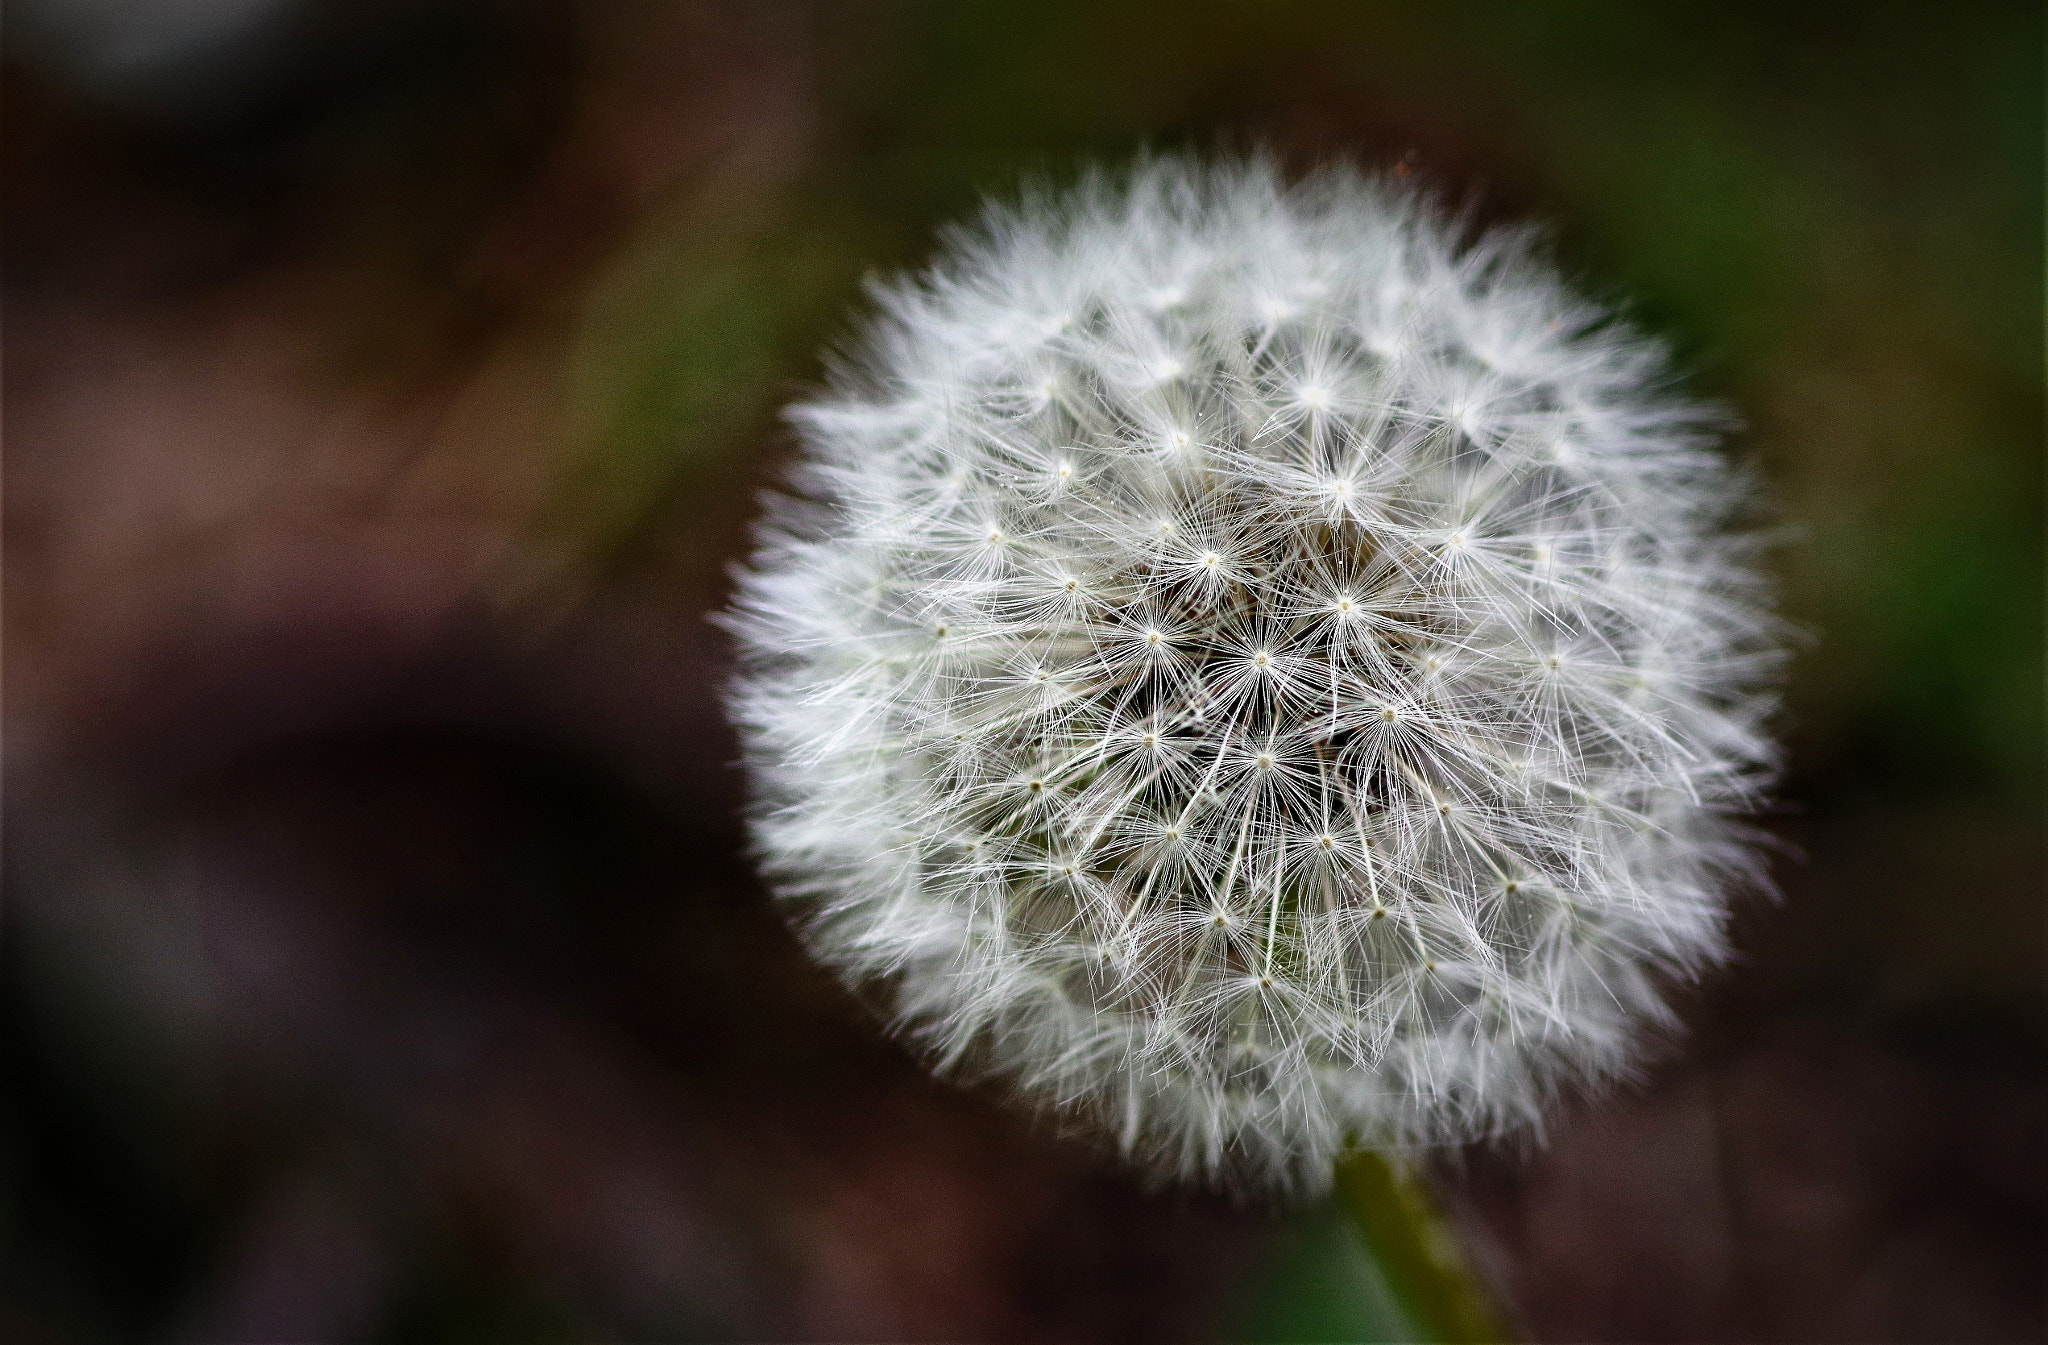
1417,1251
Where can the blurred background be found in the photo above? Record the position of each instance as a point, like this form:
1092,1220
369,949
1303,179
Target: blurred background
390,383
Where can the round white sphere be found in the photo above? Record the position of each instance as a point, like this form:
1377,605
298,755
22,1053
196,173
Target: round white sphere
1257,669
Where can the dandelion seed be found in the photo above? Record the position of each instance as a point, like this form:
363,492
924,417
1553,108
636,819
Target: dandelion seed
1450,592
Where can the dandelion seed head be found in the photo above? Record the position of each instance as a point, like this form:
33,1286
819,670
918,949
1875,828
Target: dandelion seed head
1353,770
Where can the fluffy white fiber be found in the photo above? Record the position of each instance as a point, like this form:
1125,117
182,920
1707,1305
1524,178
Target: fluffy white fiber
1256,669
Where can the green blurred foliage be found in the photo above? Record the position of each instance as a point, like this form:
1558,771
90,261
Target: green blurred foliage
1318,1283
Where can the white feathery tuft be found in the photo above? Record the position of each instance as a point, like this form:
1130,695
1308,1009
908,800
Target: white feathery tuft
1257,669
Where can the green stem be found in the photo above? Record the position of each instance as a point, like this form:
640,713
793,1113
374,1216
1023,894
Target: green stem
1417,1252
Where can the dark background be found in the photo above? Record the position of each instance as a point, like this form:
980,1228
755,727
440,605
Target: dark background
388,387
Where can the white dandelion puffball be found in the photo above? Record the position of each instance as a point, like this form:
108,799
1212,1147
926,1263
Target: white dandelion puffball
1257,669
